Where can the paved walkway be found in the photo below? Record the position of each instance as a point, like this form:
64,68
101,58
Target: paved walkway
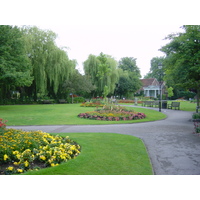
172,147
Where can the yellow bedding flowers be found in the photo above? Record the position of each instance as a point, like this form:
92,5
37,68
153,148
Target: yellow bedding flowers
28,150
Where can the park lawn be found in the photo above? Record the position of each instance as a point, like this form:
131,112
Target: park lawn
104,154
187,106
61,114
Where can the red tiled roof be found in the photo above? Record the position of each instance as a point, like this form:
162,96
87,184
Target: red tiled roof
147,82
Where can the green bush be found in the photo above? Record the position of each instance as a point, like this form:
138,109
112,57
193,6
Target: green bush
76,100
196,116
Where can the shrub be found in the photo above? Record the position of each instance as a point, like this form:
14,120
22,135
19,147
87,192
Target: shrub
196,116
79,99
197,127
21,150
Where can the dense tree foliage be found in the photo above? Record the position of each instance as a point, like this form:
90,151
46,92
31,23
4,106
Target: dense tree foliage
32,64
154,70
129,64
182,62
50,64
102,70
15,69
129,77
78,84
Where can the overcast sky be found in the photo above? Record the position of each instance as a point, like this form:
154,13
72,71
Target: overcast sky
120,28
139,41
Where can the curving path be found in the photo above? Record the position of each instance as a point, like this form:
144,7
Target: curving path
172,147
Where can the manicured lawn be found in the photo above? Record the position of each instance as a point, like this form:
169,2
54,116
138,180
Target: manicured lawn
104,154
187,106
61,114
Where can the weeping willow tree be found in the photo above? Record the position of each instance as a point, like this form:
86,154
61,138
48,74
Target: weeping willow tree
91,68
58,69
102,71
50,64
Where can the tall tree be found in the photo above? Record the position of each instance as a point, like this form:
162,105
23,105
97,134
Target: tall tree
50,64
129,64
182,63
78,84
129,77
15,69
102,70
154,70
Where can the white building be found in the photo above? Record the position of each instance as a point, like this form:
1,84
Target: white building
151,87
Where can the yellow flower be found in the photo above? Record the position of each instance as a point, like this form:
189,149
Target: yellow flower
15,152
73,147
26,163
20,170
5,157
70,152
18,156
42,157
63,157
16,163
10,168
52,164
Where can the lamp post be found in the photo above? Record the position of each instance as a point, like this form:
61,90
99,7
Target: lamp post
160,83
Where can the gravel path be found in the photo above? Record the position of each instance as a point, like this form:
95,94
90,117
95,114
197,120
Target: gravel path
172,147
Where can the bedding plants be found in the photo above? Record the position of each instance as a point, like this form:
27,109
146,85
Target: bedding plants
22,151
112,113
196,120
92,104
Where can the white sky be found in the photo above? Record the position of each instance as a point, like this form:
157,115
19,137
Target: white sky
138,41
120,28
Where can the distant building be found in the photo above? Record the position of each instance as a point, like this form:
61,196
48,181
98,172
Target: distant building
151,87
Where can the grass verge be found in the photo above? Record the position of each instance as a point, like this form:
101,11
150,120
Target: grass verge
104,154
61,114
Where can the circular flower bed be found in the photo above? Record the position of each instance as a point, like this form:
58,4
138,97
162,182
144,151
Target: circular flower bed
22,151
112,113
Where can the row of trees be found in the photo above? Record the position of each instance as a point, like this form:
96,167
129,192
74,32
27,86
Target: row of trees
181,64
31,63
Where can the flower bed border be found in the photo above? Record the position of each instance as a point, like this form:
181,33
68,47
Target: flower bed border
98,117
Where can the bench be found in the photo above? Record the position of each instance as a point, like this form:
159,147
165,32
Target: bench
174,105
156,103
62,101
148,103
47,101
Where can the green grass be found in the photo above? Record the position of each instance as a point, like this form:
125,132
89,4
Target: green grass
61,114
104,154
187,106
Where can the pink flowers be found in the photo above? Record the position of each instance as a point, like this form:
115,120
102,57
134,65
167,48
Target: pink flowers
197,127
112,113
2,124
